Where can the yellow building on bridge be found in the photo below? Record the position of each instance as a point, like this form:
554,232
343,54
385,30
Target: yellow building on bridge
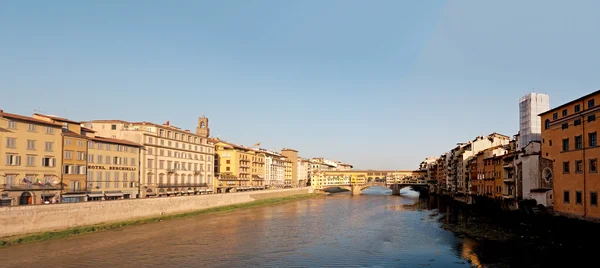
331,178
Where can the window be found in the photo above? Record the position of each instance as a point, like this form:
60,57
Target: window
161,132
67,141
100,159
90,158
555,116
125,161
594,165
107,160
566,167
547,124
49,146
564,112
80,155
68,155
591,118
30,145
566,197
116,160
113,127
579,166
577,122
161,164
98,179
578,142
49,130
592,139
578,197
228,168
590,104
577,108
30,160
116,179
100,146
13,160
565,145
11,143
12,124
550,142
31,128
594,199
565,125
228,161
80,143
150,163
48,162
125,179
150,151
132,161
107,181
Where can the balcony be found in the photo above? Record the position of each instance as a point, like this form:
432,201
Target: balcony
31,186
170,170
176,185
197,172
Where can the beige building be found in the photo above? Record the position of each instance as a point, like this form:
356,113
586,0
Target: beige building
173,162
113,169
292,156
30,172
274,170
303,171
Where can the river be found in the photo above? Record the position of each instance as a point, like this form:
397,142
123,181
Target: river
375,229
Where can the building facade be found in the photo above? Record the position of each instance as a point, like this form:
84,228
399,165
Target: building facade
74,158
239,168
569,139
292,156
173,161
30,172
530,124
303,171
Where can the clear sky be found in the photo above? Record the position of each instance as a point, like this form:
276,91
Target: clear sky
379,84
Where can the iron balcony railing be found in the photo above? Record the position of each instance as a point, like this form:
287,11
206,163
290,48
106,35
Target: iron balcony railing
175,185
31,186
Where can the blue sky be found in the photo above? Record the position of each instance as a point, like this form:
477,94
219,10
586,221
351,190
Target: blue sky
380,84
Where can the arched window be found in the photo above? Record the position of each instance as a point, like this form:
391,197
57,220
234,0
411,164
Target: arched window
547,124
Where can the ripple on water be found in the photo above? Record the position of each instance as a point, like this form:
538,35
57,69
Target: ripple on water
374,230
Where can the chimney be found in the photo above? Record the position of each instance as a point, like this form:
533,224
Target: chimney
167,123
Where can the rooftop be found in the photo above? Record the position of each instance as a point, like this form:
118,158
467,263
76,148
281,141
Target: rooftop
570,102
27,119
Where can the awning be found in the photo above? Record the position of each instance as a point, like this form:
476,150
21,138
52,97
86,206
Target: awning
114,194
95,195
190,191
73,195
48,194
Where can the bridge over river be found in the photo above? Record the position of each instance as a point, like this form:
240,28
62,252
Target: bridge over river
358,180
395,187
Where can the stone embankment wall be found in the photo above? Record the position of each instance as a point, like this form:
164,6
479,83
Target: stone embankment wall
32,219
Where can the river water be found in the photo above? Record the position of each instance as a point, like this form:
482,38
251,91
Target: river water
375,229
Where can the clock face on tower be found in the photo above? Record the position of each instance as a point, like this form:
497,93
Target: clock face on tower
202,125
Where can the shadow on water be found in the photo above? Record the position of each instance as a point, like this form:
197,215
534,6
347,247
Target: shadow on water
494,238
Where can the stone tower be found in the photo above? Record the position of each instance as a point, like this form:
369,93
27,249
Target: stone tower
202,129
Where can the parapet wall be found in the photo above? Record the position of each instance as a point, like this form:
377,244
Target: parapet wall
20,220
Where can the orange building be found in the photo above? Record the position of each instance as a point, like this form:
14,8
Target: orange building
569,138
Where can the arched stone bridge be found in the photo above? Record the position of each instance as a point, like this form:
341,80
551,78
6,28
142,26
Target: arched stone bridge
357,189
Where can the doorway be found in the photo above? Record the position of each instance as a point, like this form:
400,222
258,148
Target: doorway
26,199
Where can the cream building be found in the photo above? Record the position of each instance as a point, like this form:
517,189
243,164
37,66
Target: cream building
274,169
30,172
303,169
173,162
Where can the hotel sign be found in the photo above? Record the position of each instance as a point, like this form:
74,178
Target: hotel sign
112,168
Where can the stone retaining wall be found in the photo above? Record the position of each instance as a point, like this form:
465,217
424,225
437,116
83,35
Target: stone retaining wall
20,220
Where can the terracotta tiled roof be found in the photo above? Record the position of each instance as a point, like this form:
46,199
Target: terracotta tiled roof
118,141
57,118
109,121
87,129
28,119
73,134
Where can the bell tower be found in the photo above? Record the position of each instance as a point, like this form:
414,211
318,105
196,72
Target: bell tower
202,129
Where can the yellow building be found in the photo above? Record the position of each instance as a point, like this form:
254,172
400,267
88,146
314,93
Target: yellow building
329,178
113,169
74,158
30,172
258,169
238,168
288,173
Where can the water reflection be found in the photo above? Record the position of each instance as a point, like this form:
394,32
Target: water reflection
375,229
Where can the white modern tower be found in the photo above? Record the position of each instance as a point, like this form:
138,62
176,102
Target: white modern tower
530,106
